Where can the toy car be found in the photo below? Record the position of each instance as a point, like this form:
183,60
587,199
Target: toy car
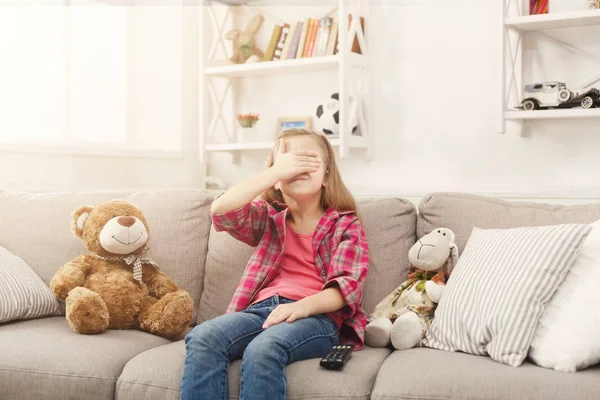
556,95
588,99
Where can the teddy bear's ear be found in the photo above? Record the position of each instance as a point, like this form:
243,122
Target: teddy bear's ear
79,217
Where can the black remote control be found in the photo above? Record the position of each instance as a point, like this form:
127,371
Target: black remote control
337,356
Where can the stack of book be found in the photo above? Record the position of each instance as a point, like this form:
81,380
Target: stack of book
538,7
304,39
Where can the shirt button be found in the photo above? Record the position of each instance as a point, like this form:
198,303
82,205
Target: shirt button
324,274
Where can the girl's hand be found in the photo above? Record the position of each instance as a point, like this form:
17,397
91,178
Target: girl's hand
286,312
288,165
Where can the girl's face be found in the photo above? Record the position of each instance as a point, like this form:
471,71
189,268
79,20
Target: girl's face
307,184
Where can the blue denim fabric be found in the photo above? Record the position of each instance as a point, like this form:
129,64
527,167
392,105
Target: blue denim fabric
264,352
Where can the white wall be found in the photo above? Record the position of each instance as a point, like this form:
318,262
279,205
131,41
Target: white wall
436,110
435,107
59,172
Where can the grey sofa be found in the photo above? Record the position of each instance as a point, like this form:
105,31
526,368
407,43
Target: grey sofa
44,359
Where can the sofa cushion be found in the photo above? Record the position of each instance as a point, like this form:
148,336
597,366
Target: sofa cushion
23,294
428,374
156,374
389,225
500,287
45,359
462,211
37,228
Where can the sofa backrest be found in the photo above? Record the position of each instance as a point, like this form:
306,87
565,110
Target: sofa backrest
390,226
461,212
37,228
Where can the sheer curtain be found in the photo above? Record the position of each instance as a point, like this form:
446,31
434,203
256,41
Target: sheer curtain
91,75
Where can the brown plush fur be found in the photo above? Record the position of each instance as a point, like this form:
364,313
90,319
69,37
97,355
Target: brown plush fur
104,295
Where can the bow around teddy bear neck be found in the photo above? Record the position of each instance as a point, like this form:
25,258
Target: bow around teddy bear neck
419,277
135,259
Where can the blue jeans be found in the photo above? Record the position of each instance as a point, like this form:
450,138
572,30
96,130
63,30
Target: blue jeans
264,352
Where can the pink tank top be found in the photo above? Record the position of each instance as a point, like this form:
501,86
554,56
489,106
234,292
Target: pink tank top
298,277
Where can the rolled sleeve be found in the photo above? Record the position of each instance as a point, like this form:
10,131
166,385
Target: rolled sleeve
246,223
348,268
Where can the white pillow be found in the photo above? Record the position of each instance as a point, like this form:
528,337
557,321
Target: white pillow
567,337
23,294
499,288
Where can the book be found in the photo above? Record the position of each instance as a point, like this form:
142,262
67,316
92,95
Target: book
288,41
308,48
323,37
333,37
272,43
285,29
303,34
296,40
314,49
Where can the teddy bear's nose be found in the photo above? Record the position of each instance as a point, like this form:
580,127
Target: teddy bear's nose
126,221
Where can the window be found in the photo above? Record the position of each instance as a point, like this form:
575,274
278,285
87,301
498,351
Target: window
91,74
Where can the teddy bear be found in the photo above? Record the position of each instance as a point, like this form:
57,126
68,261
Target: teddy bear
244,43
402,318
116,286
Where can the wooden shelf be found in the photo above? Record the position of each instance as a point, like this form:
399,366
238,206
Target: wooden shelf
284,66
532,23
353,142
553,114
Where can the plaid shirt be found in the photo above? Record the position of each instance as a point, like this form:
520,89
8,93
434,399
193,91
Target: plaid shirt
341,256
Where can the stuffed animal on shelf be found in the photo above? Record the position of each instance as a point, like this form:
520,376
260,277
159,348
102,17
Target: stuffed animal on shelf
115,286
402,318
244,43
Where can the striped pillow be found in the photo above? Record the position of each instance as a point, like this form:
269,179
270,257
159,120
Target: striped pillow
500,287
23,294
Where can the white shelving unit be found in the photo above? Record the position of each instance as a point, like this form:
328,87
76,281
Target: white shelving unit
285,66
515,25
532,23
345,64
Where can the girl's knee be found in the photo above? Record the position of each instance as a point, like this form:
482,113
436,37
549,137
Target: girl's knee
260,350
207,334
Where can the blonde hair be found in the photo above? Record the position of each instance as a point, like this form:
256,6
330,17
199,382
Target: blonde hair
334,194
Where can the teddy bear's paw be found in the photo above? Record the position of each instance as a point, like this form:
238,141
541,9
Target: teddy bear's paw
86,311
407,331
169,316
378,332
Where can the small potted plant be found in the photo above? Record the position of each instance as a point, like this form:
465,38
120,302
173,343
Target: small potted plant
247,122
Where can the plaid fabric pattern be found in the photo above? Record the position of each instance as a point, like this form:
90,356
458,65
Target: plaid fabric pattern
340,248
134,259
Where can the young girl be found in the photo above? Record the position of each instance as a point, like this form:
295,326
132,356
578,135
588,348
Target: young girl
302,286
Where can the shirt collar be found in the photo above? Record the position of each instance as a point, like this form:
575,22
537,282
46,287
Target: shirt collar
330,212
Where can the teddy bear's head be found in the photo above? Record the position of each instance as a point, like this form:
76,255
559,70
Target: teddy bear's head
434,251
115,227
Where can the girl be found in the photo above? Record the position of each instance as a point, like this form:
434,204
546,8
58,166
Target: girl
302,286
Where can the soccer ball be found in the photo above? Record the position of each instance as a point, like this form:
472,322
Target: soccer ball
328,116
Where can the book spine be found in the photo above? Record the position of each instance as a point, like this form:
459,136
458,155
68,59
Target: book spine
332,39
311,41
296,40
281,42
272,43
288,42
324,38
302,44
